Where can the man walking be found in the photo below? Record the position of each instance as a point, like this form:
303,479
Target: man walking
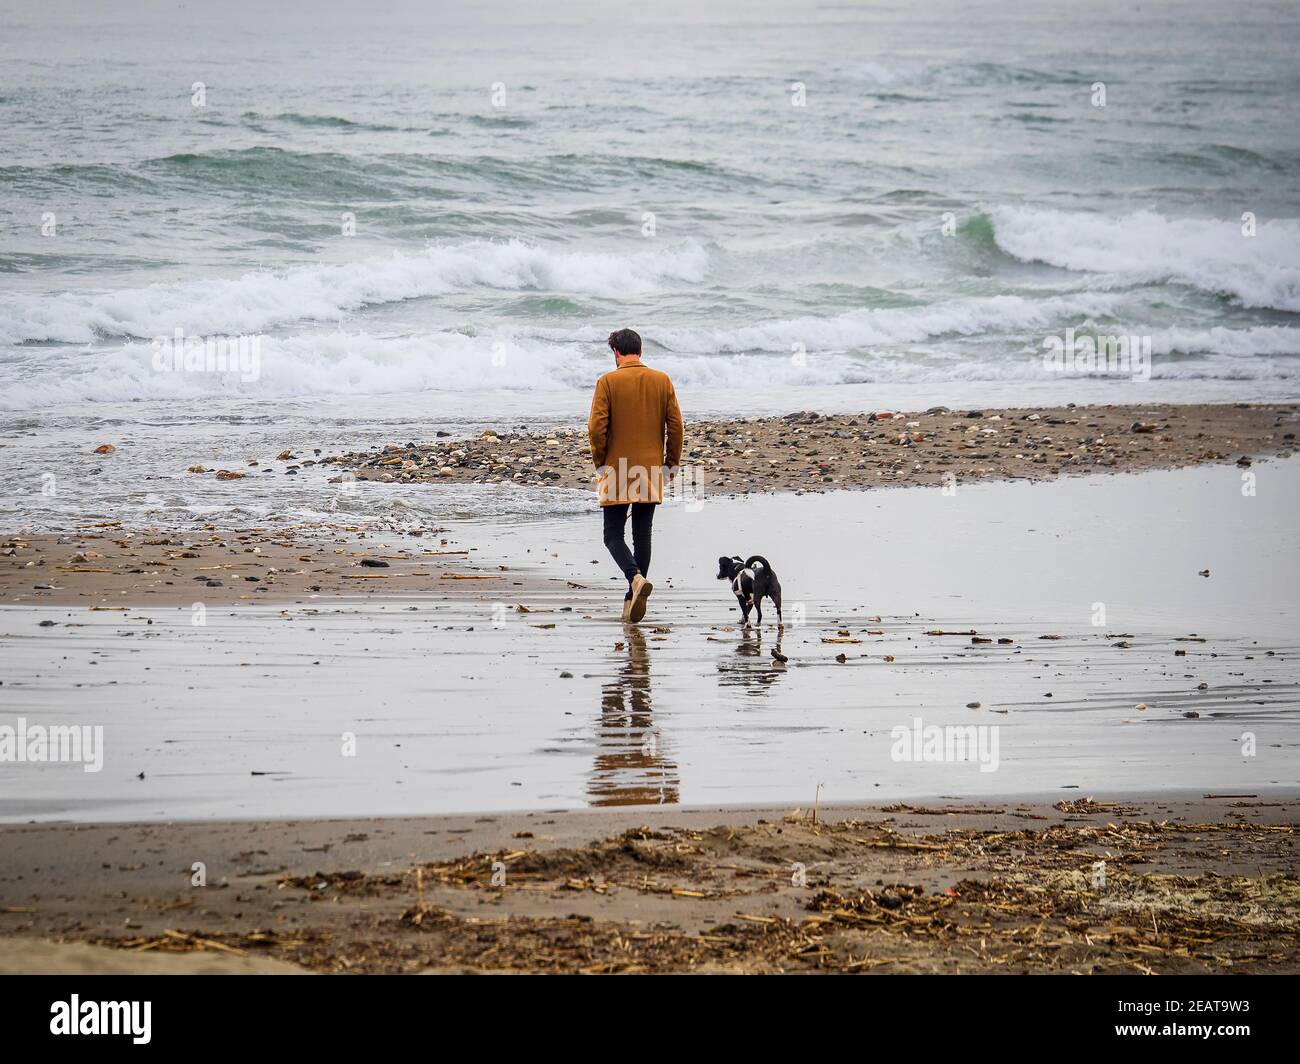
635,431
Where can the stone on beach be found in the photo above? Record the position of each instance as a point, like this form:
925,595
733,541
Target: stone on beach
807,451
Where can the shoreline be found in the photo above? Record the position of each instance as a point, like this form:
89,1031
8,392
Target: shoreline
943,885
115,564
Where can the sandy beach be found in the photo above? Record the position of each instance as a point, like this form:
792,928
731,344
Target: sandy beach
684,795
1137,884
484,681
1139,653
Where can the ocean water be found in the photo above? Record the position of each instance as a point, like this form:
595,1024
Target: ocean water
429,215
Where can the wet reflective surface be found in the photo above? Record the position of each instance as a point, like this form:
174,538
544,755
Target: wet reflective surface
451,711
630,765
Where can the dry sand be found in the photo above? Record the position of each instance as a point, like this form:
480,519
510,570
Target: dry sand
1206,884
25,956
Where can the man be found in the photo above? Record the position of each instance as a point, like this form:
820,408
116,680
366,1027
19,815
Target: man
635,431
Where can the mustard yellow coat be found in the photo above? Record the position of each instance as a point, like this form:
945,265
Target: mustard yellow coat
635,429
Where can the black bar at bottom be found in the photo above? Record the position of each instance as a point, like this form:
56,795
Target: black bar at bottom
339,1013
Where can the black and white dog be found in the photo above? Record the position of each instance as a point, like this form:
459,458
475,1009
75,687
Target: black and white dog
751,580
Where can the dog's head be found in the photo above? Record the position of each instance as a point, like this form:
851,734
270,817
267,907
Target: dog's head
729,567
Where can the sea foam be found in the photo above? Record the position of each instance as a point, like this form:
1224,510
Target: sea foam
345,363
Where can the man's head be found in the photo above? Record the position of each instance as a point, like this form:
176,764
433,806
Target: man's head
626,346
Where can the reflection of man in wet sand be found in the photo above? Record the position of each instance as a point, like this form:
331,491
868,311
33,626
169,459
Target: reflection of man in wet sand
635,430
630,767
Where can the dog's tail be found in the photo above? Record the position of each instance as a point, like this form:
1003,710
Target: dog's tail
756,562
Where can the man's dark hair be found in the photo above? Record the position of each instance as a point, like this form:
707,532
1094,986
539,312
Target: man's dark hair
625,342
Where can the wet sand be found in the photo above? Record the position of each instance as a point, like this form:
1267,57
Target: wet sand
117,568
1147,884
975,609
809,451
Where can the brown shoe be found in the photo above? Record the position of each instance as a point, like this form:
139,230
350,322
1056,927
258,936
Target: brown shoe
641,588
627,610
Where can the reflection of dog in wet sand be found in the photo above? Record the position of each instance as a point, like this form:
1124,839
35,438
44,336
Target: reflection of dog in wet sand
751,581
748,668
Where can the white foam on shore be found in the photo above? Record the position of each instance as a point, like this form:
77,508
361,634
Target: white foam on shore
343,363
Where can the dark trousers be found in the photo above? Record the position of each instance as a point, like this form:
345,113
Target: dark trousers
637,559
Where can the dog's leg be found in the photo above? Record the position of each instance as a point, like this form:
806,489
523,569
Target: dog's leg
758,610
744,609
776,601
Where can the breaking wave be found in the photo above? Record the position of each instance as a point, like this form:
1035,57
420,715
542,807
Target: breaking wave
260,300
1145,247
